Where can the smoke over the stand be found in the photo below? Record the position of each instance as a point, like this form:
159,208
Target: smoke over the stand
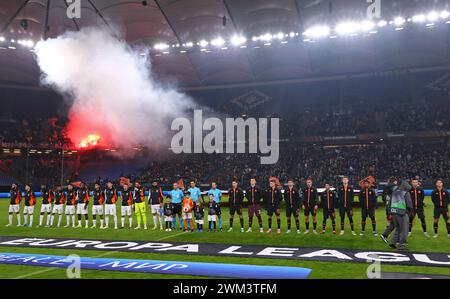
113,91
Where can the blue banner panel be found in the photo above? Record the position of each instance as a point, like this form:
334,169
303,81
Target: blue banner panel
158,267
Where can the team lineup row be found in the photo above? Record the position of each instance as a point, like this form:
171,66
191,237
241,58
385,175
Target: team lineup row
189,206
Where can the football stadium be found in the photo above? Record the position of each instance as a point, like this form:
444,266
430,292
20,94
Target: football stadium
224,139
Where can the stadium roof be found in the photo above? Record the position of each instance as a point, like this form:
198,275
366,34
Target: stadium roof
182,21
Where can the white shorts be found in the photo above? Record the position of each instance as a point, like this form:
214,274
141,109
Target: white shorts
199,221
57,209
168,218
97,210
156,209
81,210
46,208
212,217
14,208
28,210
110,209
125,210
70,210
187,215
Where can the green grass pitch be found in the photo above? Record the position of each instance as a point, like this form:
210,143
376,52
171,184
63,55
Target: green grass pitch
417,242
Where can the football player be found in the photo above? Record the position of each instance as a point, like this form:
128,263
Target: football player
14,204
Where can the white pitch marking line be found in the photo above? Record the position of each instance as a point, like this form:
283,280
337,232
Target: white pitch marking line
97,256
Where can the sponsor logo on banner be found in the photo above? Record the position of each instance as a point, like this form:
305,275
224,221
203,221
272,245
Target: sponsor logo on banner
159,267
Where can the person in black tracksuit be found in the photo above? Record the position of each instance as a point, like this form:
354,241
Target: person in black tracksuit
368,201
309,204
345,194
440,199
328,201
417,196
199,214
292,199
235,199
213,212
273,199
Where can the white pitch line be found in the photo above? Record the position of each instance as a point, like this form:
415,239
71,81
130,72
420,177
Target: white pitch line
97,256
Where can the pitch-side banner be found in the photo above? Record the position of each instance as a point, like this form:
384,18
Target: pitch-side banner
156,266
236,250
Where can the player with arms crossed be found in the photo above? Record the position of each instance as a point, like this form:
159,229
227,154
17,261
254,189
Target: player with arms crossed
46,206
14,204
70,206
254,196
292,199
235,199
440,198
155,202
127,203
346,195
273,200
309,204
60,199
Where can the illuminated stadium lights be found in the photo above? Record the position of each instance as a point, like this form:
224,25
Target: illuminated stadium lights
399,21
237,40
347,28
291,34
2,39
419,18
432,16
218,42
266,37
161,46
317,31
382,23
203,43
280,35
444,14
189,45
367,25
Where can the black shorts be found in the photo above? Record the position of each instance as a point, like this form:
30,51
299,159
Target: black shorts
292,210
272,209
368,212
309,210
176,208
441,211
235,209
345,210
328,213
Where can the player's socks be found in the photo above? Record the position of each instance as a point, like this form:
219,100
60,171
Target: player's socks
241,220
25,219
314,225
155,219
307,226
41,219
424,226
297,223
270,222
59,220
115,221
180,222
448,228
435,226
10,219
107,221
278,223
18,219
231,222
48,219
31,220
333,223
94,223
130,220
260,222
122,221
324,224
73,220
374,227
289,223
160,222
352,226
250,222
363,226
342,225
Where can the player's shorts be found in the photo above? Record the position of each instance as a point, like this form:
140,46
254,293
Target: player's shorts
187,215
199,221
110,209
345,210
177,208
328,213
70,210
254,210
168,218
155,209
28,210
309,211
235,209
441,211
139,208
212,217
292,210
81,210
272,209
97,210
125,210
57,209
46,208
370,212
14,208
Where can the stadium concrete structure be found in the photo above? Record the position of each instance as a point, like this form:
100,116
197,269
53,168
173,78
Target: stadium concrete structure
355,96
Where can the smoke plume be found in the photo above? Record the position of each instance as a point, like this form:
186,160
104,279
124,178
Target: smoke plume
112,89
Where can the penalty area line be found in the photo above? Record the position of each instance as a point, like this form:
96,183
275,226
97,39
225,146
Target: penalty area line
97,256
